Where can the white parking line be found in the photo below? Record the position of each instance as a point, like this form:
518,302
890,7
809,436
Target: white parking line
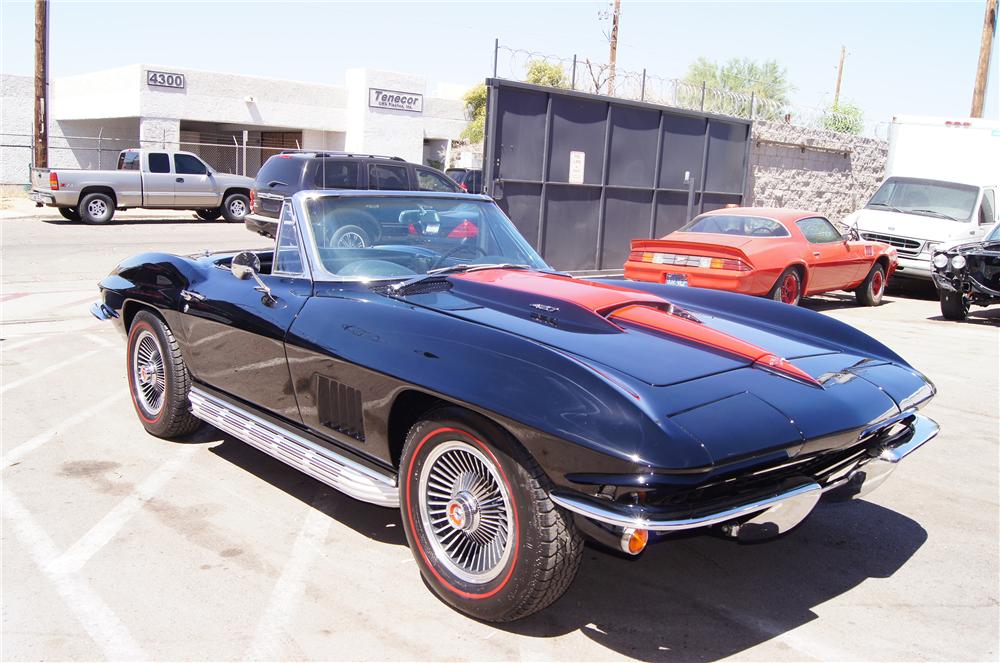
280,611
98,536
49,369
4,347
20,451
101,623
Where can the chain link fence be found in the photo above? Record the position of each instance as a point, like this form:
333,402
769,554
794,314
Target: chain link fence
226,153
598,77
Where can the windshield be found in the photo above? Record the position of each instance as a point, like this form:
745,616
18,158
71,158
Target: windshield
944,200
736,224
371,238
994,236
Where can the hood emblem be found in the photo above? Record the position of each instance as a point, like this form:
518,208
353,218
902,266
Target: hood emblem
545,307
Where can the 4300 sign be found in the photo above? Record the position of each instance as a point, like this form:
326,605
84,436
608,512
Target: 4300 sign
165,79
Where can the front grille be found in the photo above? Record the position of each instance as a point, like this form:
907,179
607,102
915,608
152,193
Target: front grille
904,245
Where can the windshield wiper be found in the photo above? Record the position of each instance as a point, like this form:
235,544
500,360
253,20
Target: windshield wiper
399,289
888,207
930,212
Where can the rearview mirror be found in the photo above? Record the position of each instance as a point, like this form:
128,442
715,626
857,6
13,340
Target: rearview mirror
424,216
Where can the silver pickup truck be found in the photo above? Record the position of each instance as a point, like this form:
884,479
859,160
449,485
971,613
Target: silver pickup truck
156,179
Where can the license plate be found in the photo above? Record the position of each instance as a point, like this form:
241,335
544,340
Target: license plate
432,228
34,196
676,279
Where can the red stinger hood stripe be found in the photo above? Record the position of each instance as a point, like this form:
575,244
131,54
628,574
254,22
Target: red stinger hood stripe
598,297
695,332
635,307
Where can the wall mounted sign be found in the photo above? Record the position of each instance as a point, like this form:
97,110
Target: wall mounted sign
395,100
577,166
165,79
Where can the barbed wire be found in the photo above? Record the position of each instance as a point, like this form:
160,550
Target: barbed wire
596,77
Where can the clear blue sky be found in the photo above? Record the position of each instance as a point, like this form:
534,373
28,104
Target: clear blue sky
903,57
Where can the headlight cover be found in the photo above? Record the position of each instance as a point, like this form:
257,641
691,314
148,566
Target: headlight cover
940,261
932,247
958,262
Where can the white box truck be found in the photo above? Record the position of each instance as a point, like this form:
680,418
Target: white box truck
941,183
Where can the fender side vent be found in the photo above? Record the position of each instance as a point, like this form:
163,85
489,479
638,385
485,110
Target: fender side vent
340,408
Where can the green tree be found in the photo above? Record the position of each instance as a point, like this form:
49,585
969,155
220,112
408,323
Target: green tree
844,118
766,81
540,72
475,106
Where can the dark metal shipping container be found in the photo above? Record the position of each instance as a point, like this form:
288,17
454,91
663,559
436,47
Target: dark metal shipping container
581,174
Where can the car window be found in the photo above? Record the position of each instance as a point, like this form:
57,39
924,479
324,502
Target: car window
159,162
185,164
281,172
736,224
986,213
337,175
288,250
428,180
387,178
128,161
818,230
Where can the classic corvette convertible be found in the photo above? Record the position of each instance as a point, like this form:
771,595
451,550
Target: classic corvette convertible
967,273
508,410
783,254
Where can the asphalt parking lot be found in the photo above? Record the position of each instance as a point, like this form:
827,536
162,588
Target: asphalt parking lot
118,545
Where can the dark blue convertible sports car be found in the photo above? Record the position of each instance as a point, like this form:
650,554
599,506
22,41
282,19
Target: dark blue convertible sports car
509,410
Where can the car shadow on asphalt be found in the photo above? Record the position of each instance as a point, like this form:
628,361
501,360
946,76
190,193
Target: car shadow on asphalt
694,597
832,301
701,598
988,317
132,222
377,523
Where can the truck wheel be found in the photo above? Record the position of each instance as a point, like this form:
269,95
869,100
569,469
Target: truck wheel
158,380
954,305
870,292
209,214
788,288
484,533
70,214
97,208
235,207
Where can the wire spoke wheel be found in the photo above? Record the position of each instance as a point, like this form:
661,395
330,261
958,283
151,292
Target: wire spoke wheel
351,240
148,373
466,512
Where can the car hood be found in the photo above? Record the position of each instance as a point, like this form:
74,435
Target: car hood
631,331
916,226
705,368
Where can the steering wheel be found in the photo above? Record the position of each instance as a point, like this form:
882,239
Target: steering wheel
453,251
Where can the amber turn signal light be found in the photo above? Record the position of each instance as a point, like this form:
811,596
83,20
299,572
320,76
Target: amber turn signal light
634,541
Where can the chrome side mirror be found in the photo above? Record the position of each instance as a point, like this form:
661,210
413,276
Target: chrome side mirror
246,265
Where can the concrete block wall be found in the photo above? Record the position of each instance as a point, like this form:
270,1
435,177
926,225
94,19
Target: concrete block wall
813,169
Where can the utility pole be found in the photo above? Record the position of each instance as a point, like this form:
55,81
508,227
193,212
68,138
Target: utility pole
614,46
41,133
840,77
985,49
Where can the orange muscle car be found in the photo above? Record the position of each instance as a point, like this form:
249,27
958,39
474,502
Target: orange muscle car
783,254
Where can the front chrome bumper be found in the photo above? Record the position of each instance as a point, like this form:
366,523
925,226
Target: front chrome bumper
767,516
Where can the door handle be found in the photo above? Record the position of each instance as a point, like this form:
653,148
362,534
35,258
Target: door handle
179,179
816,254
190,296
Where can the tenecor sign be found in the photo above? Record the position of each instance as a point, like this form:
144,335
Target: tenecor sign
396,100
165,79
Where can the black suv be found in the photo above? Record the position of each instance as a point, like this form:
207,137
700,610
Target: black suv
470,179
284,174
